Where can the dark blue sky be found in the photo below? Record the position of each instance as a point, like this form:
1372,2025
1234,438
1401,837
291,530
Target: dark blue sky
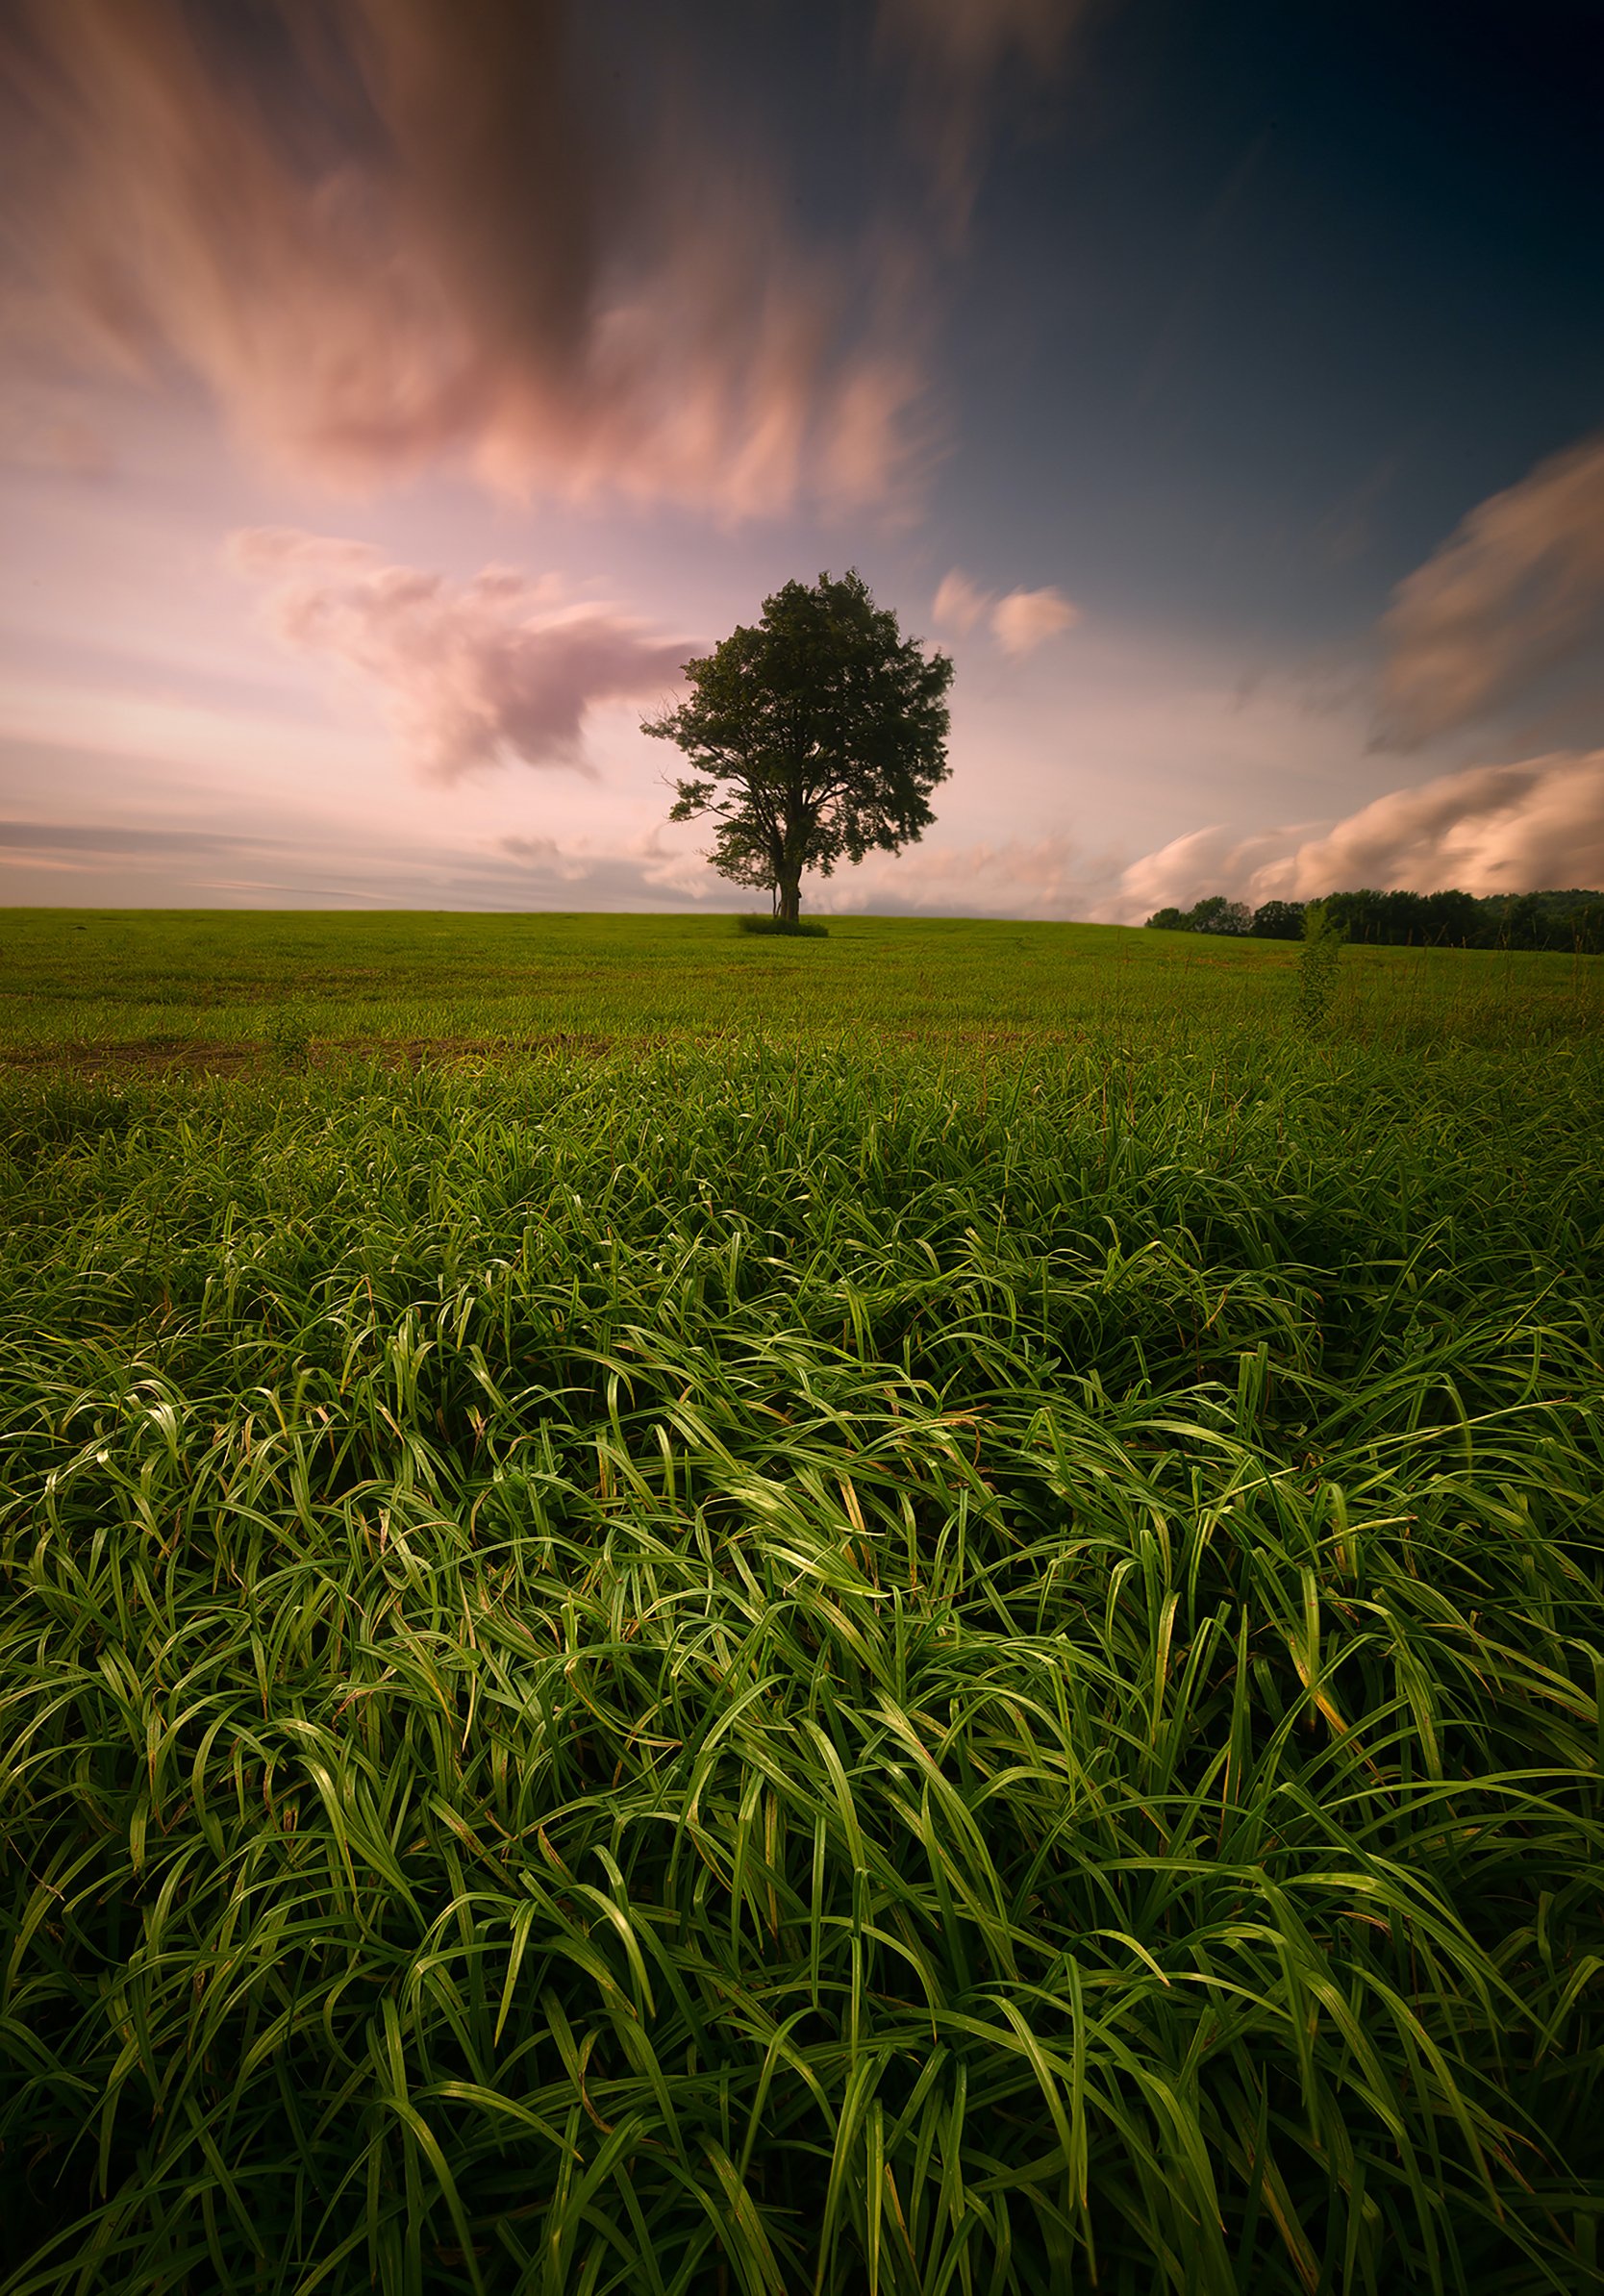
1286,290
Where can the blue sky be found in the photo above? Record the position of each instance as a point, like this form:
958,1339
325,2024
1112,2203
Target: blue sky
392,393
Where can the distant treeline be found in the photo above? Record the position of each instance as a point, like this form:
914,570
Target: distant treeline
1568,921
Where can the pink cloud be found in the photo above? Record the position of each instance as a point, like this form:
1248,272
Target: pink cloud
1020,623
495,668
958,605
1515,591
475,265
42,437
1026,620
1489,829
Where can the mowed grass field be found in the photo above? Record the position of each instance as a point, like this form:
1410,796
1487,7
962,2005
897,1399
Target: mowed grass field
917,1612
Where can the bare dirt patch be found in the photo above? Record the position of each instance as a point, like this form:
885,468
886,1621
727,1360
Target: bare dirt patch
159,1055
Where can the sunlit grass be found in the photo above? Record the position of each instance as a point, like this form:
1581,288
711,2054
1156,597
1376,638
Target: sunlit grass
960,1664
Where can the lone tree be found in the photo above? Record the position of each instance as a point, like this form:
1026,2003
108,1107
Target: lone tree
820,733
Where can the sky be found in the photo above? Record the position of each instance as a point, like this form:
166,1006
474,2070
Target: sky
395,393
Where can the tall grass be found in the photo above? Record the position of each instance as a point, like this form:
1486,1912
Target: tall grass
777,1669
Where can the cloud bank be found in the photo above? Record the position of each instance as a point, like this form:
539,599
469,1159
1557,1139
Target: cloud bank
1516,589
47,863
381,232
495,668
1021,876
1489,829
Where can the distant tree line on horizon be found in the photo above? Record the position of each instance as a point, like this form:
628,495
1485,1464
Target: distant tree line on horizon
1570,921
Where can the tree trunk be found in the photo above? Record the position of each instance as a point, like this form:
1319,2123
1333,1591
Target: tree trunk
789,890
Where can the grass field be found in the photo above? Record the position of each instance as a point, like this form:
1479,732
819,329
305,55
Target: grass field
917,1612
210,989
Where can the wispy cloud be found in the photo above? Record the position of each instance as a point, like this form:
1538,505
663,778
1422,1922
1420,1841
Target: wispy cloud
90,836
1516,589
495,668
956,52
416,229
1020,622
347,860
1026,620
1042,875
549,858
1489,829
958,605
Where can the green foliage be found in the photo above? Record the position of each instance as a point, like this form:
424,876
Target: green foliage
290,1039
815,1663
1446,919
1213,914
1278,920
1573,920
1217,915
818,736
1319,961
1570,922
1586,923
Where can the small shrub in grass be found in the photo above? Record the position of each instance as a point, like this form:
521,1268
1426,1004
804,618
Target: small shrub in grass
805,929
1316,966
288,1041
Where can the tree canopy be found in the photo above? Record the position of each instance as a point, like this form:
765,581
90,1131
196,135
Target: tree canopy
1572,921
816,734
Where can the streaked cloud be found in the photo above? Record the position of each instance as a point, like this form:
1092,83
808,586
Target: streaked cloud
158,870
1490,829
495,668
956,50
1516,589
108,838
416,229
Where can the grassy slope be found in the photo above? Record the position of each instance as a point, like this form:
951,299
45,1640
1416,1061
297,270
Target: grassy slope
883,1662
